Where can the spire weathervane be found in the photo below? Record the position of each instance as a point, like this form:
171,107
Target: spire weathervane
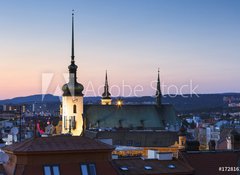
72,56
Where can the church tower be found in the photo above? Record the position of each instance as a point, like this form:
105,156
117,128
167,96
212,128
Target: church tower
72,98
158,92
106,96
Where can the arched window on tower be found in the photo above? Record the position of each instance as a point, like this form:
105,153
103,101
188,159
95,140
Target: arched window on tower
74,109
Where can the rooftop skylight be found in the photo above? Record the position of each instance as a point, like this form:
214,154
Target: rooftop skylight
124,168
147,167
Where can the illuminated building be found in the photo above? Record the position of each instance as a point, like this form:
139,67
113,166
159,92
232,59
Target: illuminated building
72,98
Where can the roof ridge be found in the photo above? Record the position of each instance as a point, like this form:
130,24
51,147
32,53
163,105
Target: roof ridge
21,144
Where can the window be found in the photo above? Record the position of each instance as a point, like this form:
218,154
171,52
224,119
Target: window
56,170
84,169
73,122
88,169
47,170
92,169
74,109
65,122
51,170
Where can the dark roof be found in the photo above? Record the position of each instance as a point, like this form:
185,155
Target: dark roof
72,89
136,166
58,143
209,162
140,138
130,116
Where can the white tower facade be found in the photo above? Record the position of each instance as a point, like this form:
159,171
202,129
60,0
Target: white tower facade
72,117
72,99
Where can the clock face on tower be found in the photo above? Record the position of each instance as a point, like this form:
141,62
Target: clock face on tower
74,100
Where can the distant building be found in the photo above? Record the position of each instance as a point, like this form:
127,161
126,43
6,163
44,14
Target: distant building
233,140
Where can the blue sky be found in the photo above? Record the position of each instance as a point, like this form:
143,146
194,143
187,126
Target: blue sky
189,40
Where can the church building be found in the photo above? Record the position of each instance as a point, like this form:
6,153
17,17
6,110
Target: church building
76,116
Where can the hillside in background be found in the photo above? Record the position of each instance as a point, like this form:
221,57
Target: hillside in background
31,99
186,103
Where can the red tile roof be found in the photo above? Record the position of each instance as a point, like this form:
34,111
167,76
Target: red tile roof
56,144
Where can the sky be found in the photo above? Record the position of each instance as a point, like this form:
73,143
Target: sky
196,45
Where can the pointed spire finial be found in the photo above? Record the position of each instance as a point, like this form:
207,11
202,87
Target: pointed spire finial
72,56
158,92
106,94
106,78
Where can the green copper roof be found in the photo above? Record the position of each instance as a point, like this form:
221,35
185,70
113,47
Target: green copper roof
129,116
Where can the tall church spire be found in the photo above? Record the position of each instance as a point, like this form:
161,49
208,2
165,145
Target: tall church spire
106,96
72,56
73,88
72,98
158,92
106,80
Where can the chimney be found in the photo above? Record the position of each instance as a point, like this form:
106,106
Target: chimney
212,145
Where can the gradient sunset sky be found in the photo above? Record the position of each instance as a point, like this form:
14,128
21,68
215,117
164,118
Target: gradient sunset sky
191,41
